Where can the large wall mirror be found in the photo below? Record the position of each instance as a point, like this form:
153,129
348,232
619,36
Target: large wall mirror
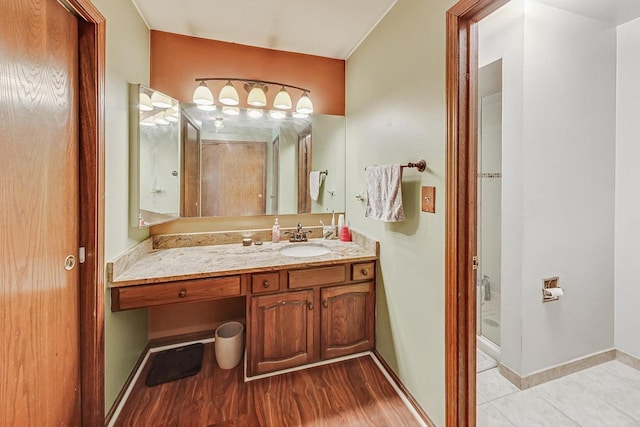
154,157
240,164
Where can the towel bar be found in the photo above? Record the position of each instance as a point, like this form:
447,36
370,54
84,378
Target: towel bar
421,165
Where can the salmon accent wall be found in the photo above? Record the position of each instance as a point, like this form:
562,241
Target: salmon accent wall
177,60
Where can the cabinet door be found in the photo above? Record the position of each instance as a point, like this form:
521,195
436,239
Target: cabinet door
281,331
347,319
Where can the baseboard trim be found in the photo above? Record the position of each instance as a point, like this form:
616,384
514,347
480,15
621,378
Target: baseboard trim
557,371
116,407
402,390
628,359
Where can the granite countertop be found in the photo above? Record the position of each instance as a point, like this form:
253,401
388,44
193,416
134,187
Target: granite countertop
150,265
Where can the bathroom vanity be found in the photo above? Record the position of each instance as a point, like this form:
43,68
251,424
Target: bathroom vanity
299,310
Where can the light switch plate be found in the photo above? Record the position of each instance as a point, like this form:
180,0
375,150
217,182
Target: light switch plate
429,199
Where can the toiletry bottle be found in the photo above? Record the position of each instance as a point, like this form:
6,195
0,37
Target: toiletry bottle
340,224
333,224
275,232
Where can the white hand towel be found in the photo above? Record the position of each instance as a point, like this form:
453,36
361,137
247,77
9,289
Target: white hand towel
315,180
384,193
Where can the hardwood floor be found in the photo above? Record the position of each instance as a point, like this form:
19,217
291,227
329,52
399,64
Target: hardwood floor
347,393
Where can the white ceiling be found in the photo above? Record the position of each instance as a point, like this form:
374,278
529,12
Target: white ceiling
329,28
614,12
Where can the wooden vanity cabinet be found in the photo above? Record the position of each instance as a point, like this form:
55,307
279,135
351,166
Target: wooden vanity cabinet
347,320
281,331
320,313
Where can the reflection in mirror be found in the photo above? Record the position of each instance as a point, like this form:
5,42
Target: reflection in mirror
249,164
154,156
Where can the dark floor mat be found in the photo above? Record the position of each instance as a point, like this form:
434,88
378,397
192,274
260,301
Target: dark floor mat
175,363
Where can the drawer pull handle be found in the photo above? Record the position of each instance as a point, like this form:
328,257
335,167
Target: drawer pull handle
265,284
310,305
325,304
364,272
183,293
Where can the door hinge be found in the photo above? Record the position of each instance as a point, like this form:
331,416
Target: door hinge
475,263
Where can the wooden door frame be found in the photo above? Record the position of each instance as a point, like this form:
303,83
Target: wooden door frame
461,218
91,47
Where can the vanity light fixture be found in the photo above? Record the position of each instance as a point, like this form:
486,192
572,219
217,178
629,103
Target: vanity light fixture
203,107
282,100
202,95
304,104
257,96
229,95
231,111
159,118
297,115
254,113
277,114
145,102
171,115
160,100
148,122
256,90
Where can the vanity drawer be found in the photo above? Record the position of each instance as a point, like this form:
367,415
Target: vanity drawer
265,282
317,276
127,297
363,271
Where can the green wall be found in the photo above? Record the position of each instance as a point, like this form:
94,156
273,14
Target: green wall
396,114
127,61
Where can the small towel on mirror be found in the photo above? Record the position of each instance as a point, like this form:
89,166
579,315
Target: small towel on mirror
384,193
315,181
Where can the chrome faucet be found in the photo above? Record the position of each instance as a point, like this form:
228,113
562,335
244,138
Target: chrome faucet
299,235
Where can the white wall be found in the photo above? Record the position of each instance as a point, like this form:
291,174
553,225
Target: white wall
127,61
568,183
558,190
627,231
501,35
396,114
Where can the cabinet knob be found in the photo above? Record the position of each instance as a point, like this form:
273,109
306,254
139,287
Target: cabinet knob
325,304
183,293
310,305
364,272
265,284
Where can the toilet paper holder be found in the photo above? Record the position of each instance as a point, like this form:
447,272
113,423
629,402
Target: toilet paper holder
550,289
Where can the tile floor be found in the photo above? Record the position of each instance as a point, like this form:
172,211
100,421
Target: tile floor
602,396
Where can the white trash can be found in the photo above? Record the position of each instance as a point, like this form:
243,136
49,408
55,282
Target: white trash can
229,344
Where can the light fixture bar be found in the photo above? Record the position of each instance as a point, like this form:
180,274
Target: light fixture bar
205,79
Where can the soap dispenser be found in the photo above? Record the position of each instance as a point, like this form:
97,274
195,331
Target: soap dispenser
275,232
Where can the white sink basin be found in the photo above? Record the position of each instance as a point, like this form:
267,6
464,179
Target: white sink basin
304,250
